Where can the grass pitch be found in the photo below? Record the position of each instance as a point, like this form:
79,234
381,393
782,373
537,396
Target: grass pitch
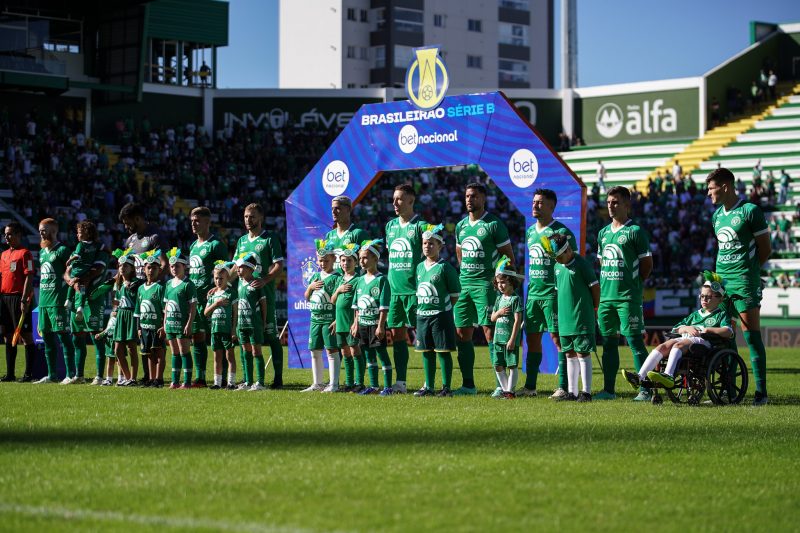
92,458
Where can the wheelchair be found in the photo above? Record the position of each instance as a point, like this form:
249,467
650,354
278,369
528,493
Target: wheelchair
718,371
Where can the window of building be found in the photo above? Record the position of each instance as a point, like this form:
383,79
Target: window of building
512,71
362,53
514,4
438,20
379,57
351,52
351,85
403,55
474,61
514,34
410,20
379,17
363,14
351,13
474,25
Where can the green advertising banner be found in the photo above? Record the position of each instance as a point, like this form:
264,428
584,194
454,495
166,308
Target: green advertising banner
272,112
649,116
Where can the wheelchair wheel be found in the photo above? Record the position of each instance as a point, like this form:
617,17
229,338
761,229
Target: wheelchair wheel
689,388
727,378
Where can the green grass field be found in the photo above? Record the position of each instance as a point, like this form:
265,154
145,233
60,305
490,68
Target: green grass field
91,458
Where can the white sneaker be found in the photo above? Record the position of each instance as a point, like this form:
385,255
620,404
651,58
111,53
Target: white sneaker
331,388
257,387
399,388
97,381
44,381
78,381
530,393
122,382
106,383
558,393
243,386
66,381
498,393
314,388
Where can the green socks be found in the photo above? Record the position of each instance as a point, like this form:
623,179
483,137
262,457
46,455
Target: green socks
78,346
386,366
446,362
429,364
70,357
200,357
348,371
466,363
258,362
758,359
562,371
276,348
372,367
361,367
610,363
187,369
176,369
50,356
247,367
639,351
99,356
401,359
532,363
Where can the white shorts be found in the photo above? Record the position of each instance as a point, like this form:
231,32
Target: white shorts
695,340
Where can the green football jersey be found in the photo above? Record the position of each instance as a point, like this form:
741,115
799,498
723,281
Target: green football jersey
248,310
405,253
353,235
322,310
575,303
504,325
479,242
718,318
178,295
53,264
221,317
202,257
150,305
436,284
372,296
541,267
344,305
268,249
126,295
736,230
620,251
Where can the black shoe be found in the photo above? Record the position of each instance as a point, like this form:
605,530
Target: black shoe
445,393
147,384
230,386
276,385
509,395
158,383
760,399
584,397
132,383
8,379
27,378
569,397
215,387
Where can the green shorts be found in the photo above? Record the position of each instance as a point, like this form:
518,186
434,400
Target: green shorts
125,328
150,340
474,307
503,357
541,315
436,333
173,335
577,343
200,323
402,311
93,317
742,296
250,336
345,339
321,338
221,341
52,320
616,317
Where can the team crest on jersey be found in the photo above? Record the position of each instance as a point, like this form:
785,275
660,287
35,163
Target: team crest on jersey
410,233
735,221
709,322
375,291
346,240
622,239
203,252
259,247
308,267
481,231
435,278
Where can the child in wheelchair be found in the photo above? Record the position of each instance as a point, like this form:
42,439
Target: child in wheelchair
711,318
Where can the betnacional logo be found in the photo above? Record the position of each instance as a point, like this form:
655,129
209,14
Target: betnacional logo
523,168
408,139
649,117
335,177
426,78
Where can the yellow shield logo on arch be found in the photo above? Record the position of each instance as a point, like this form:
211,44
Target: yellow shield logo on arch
426,78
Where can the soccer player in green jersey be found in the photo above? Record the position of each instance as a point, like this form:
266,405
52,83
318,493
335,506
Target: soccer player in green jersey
625,262
578,297
219,310
150,313
438,289
322,333
481,239
53,317
507,318
371,305
180,307
125,332
712,317
744,246
541,310
203,254
344,231
270,265
404,240
251,313
354,360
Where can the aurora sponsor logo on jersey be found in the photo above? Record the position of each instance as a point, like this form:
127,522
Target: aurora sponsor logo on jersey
196,268
125,302
335,177
320,301
408,139
47,280
172,309
523,168
220,313
728,239
399,250
472,248
537,255
147,311
367,304
427,294
245,309
612,258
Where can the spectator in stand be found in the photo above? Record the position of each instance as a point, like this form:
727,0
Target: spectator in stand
785,180
772,84
601,176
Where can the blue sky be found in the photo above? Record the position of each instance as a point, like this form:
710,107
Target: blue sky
618,40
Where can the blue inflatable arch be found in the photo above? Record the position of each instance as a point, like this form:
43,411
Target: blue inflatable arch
484,129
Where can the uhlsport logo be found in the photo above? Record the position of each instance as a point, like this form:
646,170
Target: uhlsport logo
523,168
408,139
335,177
427,294
471,247
609,120
426,78
649,117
